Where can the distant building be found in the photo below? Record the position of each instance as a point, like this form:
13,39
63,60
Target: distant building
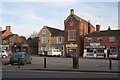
50,38
102,43
75,28
10,40
30,46
6,32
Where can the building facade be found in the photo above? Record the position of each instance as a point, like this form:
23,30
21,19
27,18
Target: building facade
50,38
74,30
102,43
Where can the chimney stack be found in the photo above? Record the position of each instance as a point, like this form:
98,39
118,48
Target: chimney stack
97,27
72,11
8,28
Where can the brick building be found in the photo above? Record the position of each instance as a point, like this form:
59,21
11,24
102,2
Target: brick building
6,32
75,28
102,43
50,38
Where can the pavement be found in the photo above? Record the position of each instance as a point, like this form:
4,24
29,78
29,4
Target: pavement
66,64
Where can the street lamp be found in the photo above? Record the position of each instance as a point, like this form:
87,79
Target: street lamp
15,46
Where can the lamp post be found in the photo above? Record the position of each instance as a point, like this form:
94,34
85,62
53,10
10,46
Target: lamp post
15,46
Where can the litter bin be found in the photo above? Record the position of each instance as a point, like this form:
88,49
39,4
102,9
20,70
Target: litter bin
75,62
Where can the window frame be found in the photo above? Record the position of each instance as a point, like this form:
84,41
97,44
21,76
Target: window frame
44,39
98,39
44,31
111,39
73,38
89,39
58,39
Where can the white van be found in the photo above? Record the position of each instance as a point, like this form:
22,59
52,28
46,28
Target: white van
54,52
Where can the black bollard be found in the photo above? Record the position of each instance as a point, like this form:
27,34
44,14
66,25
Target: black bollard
44,62
75,62
110,63
18,62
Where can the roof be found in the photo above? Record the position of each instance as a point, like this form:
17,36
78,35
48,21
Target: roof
9,36
79,19
55,32
3,31
104,33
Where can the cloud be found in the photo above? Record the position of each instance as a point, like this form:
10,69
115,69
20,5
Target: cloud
60,1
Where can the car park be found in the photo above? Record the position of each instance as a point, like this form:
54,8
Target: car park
21,57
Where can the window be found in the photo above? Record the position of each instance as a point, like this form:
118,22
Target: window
43,31
59,39
71,35
89,40
99,39
44,40
111,39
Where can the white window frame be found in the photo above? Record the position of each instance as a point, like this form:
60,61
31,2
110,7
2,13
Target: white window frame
89,39
98,39
44,40
73,35
59,41
111,39
44,31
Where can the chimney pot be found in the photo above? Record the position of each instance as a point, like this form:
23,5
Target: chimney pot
72,11
8,28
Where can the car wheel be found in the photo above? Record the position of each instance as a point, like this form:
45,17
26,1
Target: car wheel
12,63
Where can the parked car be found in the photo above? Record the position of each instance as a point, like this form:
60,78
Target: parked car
54,52
3,54
22,56
70,54
43,53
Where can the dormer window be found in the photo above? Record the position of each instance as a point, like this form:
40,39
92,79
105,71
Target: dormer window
43,31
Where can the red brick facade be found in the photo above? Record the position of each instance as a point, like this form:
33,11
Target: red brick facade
76,28
110,40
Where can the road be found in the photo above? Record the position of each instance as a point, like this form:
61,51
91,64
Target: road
56,74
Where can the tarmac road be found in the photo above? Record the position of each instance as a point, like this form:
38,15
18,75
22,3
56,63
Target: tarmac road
56,74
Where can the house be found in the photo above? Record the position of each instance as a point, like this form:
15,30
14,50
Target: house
50,38
75,28
30,46
102,43
11,40
3,34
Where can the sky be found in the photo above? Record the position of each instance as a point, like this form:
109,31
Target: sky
26,17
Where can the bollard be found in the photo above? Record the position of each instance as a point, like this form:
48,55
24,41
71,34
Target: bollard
75,62
18,62
110,63
44,62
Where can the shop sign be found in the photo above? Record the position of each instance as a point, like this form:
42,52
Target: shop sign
71,45
95,47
